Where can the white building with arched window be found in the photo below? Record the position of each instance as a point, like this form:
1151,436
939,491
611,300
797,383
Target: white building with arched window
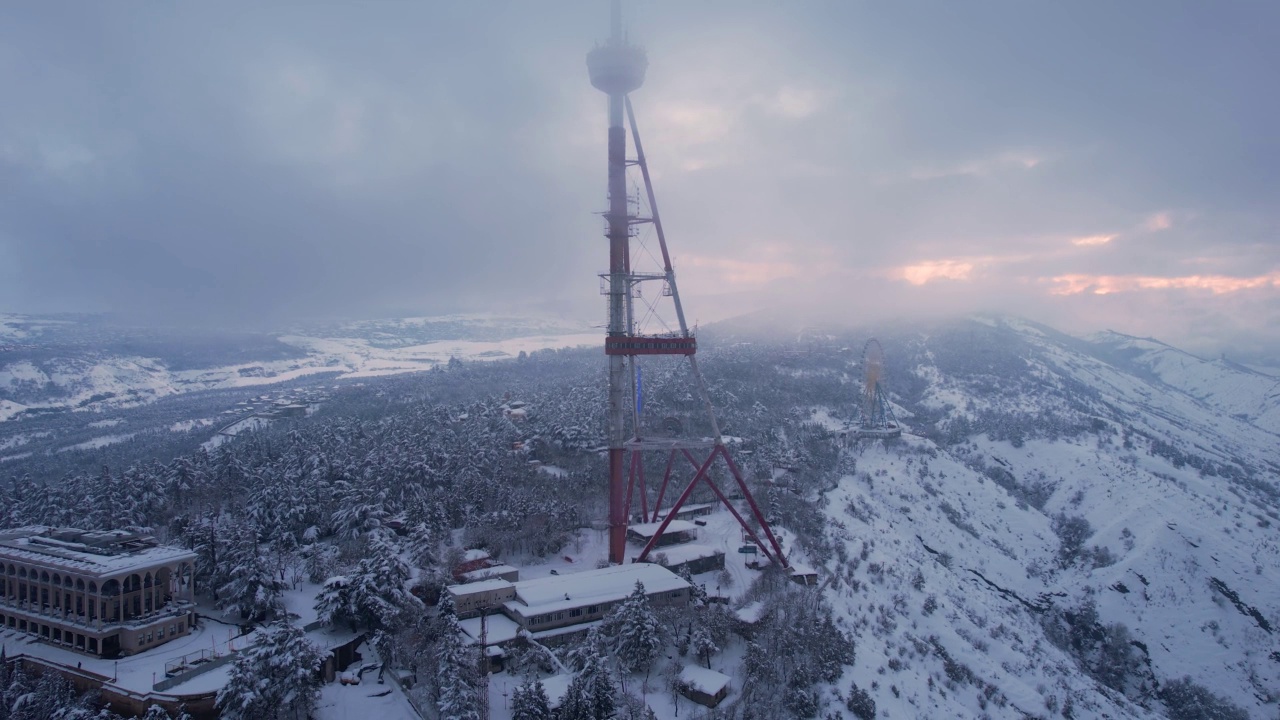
104,593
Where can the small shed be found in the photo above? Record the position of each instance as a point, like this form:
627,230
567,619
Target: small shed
804,575
493,572
703,686
748,617
678,531
693,510
696,558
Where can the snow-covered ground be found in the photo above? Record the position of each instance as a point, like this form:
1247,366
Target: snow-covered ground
95,381
366,701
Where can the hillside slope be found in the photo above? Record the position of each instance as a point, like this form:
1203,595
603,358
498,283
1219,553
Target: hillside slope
1093,519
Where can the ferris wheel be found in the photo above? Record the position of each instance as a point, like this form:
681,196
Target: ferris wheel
877,419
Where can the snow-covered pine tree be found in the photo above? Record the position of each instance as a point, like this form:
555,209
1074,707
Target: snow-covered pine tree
697,593
155,712
207,537
275,678
374,593
456,675
635,631
318,560
333,602
590,695
252,589
422,546
361,510
529,701
704,646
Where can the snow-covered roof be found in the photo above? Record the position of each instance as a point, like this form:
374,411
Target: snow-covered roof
591,587
93,552
489,572
703,680
651,529
479,587
679,554
497,629
690,508
475,554
751,614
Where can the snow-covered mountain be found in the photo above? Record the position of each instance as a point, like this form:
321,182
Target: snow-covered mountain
1070,525
1221,384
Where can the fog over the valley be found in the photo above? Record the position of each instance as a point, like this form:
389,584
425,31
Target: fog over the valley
1091,165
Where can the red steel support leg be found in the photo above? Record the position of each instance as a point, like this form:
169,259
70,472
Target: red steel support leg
666,477
764,524
644,491
617,508
631,484
672,513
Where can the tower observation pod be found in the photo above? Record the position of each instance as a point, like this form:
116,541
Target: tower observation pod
617,68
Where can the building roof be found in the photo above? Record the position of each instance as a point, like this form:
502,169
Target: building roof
497,629
799,569
591,587
691,507
90,552
488,572
703,680
680,554
479,587
651,529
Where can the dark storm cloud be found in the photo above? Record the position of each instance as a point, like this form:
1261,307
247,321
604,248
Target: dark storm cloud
250,164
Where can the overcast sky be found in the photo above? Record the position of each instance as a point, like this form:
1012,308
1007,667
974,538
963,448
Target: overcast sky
1088,164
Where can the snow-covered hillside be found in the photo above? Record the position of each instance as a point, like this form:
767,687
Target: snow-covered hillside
1221,384
1047,479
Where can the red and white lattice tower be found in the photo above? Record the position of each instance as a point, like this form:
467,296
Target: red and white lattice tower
616,68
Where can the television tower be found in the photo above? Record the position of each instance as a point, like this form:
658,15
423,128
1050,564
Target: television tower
617,68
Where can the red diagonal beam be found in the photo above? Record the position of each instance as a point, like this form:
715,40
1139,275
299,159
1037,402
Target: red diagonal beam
733,468
671,515
666,477
732,509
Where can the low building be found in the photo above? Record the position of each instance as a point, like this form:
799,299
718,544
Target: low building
563,600
693,510
493,572
804,575
482,597
678,531
703,686
105,593
747,618
694,558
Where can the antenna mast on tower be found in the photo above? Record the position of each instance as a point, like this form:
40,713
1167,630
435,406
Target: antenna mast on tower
617,68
